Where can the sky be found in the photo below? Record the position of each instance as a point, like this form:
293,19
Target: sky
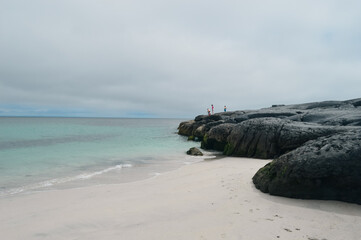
161,58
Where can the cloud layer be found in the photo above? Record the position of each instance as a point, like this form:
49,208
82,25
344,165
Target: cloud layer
174,58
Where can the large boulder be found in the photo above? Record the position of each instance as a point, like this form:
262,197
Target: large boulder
216,138
186,128
324,168
199,131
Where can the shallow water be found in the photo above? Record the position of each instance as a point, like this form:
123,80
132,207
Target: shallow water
47,153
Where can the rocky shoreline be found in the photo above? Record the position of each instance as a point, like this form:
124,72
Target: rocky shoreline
316,147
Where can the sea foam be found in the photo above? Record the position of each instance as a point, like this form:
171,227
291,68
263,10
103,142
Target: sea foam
56,181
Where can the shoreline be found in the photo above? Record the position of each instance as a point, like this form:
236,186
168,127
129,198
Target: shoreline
206,200
113,174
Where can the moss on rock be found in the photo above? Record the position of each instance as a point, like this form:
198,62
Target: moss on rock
191,138
228,149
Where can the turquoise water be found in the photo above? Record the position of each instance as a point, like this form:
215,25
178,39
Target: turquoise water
46,153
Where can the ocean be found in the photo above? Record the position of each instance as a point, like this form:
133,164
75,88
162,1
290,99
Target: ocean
40,154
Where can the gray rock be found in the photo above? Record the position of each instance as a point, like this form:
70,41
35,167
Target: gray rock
317,146
335,113
271,137
324,168
194,151
216,137
241,118
268,113
200,118
200,132
356,103
186,128
206,118
230,120
331,113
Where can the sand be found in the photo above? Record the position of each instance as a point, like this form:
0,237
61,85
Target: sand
207,200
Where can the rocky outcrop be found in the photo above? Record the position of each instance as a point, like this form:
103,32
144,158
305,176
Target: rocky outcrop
325,168
314,146
271,132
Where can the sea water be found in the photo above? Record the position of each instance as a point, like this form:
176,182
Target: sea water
38,154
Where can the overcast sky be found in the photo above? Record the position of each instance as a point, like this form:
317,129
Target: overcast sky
161,58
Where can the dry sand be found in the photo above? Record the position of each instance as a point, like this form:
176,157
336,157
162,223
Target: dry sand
207,200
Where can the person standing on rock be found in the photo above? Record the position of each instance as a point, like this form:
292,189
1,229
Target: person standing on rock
212,109
209,112
225,108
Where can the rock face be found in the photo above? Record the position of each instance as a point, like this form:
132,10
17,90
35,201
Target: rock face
316,146
194,152
272,137
217,137
325,168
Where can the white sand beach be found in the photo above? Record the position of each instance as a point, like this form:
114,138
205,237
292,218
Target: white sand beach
207,200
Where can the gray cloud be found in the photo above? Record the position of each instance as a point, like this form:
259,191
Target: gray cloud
175,58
